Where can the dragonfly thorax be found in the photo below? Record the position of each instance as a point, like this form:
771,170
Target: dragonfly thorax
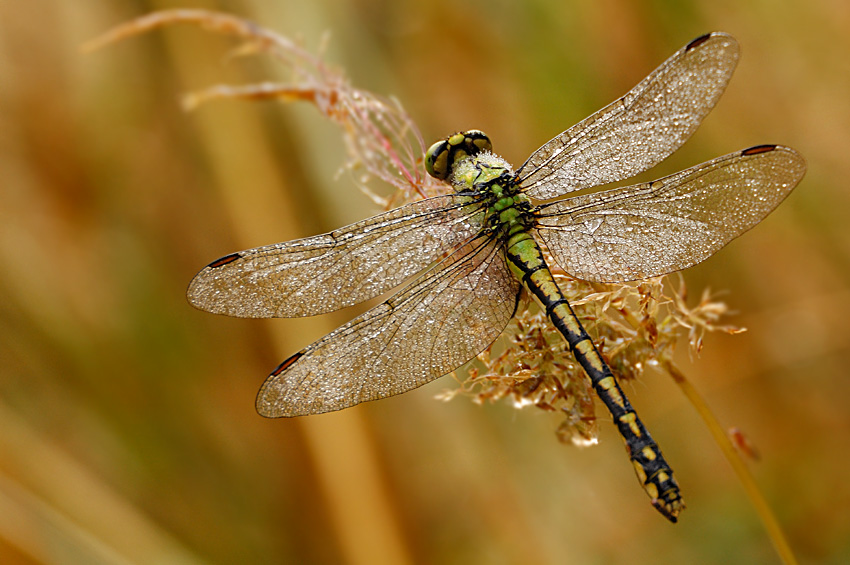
492,180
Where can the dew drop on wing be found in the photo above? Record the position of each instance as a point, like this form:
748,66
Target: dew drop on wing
590,226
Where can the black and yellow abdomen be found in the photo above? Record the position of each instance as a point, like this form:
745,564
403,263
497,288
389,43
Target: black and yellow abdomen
526,261
511,218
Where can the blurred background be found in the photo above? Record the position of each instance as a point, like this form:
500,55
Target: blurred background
127,423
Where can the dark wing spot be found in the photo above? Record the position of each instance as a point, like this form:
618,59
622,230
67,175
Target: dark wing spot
286,364
697,42
224,260
758,149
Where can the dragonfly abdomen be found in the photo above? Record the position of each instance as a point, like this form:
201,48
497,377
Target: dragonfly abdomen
527,263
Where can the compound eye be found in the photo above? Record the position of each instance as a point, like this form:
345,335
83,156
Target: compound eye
443,155
437,160
478,139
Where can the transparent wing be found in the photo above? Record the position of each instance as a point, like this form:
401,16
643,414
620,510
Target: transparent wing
434,325
651,229
640,129
327,272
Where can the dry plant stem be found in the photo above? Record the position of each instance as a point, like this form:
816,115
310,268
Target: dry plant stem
381,137
363,516
770,522
265,40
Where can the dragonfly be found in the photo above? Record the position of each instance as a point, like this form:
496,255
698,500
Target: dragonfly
467,255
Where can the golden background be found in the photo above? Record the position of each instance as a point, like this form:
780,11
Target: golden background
127,426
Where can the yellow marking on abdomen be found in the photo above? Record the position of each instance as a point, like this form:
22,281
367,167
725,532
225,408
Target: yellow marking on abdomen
542,279
610,386
630,420
586,348
640,472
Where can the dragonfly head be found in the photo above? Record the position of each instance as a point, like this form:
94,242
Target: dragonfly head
446,153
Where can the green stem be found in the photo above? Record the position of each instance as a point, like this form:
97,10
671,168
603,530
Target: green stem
771,524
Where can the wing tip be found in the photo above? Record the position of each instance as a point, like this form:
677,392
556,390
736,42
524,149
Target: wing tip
271,401
790,153
198,290
195,293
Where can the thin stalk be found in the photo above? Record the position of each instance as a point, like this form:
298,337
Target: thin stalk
771,524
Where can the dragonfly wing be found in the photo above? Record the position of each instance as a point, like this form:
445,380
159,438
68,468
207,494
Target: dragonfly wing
434,325
640,129
651,229
327,272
